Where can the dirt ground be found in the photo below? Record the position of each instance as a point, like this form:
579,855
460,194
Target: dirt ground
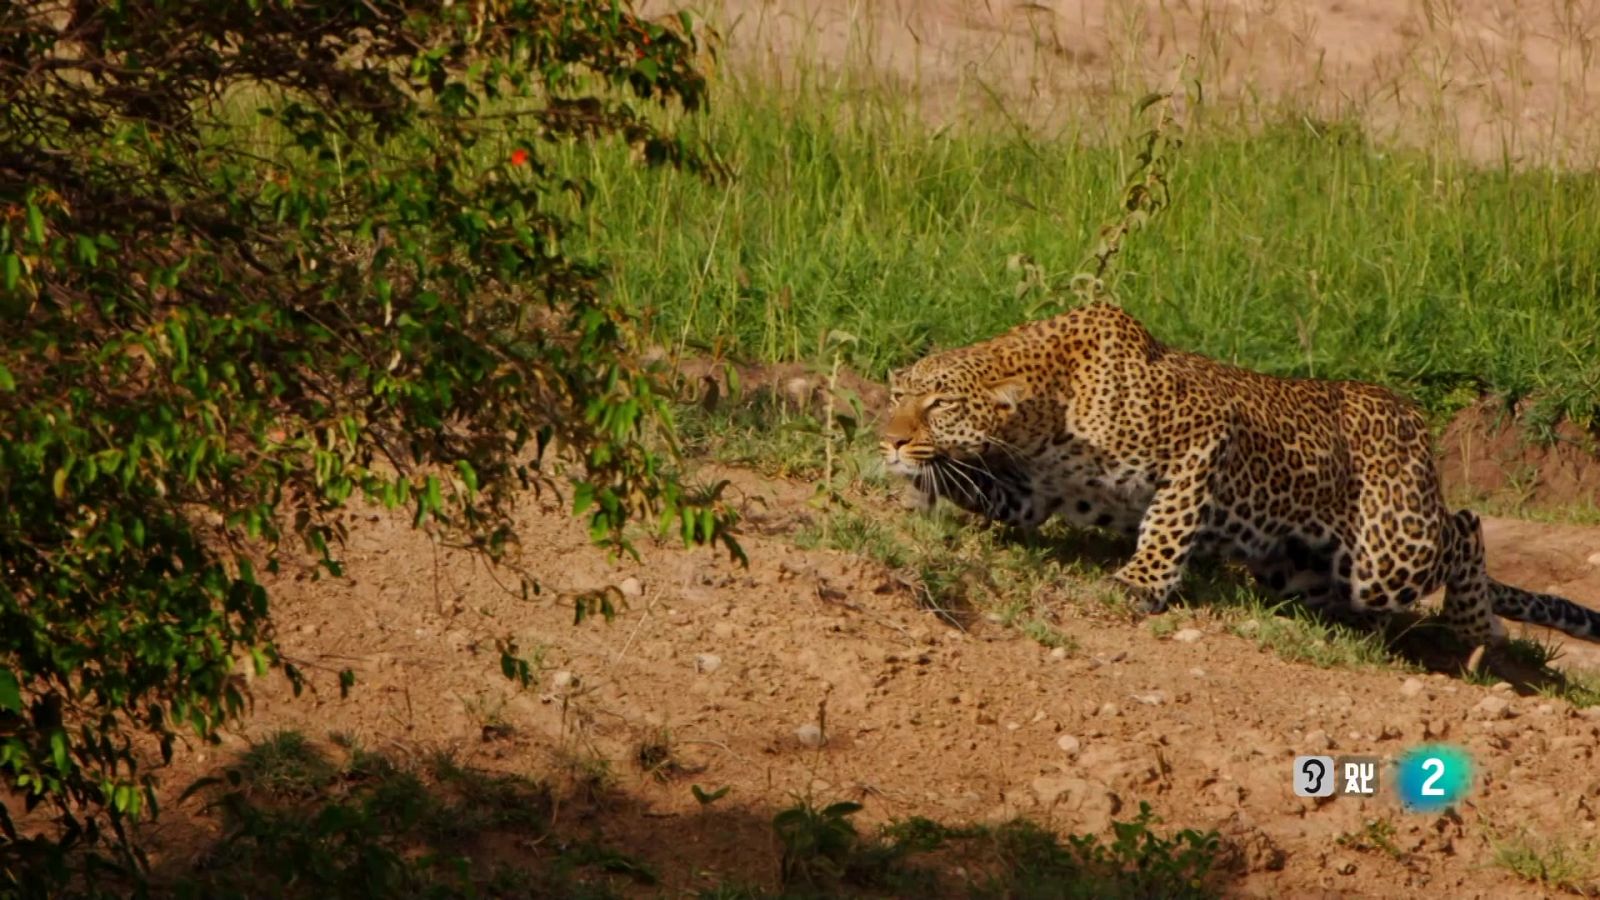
920,718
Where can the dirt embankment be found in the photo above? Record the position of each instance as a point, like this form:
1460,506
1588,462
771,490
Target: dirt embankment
1501,79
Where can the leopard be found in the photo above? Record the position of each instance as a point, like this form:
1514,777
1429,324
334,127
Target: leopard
1327,492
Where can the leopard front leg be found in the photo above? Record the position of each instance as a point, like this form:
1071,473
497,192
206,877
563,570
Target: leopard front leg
1167,532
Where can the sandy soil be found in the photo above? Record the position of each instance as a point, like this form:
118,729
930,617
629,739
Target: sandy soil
921,718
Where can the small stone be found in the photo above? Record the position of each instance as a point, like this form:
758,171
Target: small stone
1493,708
706,663
810,735
1501,686
1411,687
1594,558
631,587
1109,709
1152,698
1058,653
1069,744
308,629
1197,672
1188,635
563,681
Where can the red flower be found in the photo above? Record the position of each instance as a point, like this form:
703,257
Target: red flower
519,157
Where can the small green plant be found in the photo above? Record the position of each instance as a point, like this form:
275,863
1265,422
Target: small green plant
1376,834
1551,863
285,765
823,852
819,844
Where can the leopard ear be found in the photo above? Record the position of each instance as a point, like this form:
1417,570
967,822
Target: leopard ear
1011,392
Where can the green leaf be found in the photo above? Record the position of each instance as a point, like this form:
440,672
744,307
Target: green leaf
58,751
12,266
706,799
35,224
431,492
10,691
468,475
7,382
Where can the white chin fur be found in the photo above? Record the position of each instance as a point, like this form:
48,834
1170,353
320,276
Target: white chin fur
903,468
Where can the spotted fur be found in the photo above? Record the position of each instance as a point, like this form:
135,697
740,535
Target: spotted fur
1326,490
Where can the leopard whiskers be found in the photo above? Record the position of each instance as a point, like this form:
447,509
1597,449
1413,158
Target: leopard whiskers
954,468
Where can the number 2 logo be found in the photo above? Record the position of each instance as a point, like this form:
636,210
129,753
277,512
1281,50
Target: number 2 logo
1433,777
1429,786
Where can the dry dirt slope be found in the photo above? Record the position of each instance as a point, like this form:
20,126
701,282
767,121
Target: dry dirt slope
921,718
1500,78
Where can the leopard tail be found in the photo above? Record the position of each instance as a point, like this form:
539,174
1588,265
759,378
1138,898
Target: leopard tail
1544,609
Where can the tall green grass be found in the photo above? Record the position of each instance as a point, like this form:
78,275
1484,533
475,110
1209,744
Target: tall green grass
1296,248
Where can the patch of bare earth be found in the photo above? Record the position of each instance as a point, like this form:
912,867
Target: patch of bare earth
918,718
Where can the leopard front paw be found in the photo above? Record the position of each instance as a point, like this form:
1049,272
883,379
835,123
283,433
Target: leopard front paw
1144,599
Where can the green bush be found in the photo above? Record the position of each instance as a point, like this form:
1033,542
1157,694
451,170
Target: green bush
255,258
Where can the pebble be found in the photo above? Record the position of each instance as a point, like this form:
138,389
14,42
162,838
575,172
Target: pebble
1188,635
1110,709
810,735
1069,744
1411,687
1594,558
563,681
1153,698
631,587
706,663
1493,708
1058,653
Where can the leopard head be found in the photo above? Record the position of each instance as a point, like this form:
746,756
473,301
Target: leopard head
950,407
